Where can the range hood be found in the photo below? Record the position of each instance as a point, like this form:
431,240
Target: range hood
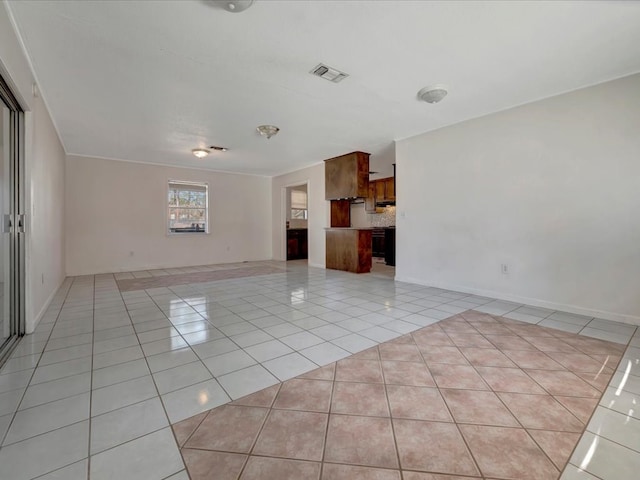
386,203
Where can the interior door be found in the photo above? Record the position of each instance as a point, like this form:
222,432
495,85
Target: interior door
13,222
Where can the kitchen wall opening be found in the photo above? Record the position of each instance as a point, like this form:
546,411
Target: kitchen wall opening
378,212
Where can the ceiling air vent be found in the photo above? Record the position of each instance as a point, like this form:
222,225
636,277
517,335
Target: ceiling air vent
328,73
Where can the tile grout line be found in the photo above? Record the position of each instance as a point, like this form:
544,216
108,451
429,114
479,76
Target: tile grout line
91,391
386,396
181,295
15,412
584,429
117,288
326,431
255,440
500,398
586,426
464,439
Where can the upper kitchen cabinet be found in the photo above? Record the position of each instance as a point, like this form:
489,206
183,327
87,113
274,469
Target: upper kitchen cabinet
380,191
390,189
347,176
370,201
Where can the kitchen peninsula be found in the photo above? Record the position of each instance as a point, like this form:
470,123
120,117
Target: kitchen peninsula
349,249
346,178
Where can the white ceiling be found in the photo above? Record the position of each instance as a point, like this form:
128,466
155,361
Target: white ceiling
150,80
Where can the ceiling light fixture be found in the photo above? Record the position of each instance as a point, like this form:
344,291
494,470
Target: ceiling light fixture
219,149
267,130
235,6
200,152
433,93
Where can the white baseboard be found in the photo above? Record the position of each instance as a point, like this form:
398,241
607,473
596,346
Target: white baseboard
31,326
616,317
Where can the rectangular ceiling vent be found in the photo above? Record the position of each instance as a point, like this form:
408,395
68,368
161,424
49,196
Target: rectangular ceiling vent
328,73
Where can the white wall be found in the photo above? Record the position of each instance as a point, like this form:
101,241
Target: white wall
115,208
44,180
319,212
552,189
46,233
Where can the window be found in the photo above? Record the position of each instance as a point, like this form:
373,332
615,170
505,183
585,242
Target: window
188,207
298,204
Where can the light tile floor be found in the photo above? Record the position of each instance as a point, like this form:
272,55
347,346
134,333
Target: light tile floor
101,358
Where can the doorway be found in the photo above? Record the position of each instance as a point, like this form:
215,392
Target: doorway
297,219
12,242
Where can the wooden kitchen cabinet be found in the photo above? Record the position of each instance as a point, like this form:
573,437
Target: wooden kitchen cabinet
297,244
340,213
349,249
390,189
370,201
381,190
347,176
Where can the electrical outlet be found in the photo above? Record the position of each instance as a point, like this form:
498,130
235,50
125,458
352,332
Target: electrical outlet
504,268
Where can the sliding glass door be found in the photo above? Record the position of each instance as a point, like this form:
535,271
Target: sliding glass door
13,221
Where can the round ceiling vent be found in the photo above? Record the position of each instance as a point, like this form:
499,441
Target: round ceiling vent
433,93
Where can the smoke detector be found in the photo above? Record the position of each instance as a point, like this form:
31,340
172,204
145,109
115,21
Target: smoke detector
433,93
328,73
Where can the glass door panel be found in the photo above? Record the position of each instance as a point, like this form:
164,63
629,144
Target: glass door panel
5,195
11,222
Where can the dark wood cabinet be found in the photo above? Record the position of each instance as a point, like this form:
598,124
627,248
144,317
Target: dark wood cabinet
390,189
297,244
377,242
349,249
381,190
370,201
347,176
340,213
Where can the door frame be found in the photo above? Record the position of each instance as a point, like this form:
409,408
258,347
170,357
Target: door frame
283,216
16,235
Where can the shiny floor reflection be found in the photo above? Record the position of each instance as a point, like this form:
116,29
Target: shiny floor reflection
108,372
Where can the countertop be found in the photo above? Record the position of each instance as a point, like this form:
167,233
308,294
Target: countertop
359,228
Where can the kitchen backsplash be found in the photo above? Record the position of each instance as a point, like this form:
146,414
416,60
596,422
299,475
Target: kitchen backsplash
385,219
362,219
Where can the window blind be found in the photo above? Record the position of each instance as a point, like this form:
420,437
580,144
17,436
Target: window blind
298,200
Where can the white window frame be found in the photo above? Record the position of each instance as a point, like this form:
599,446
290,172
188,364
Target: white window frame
168,208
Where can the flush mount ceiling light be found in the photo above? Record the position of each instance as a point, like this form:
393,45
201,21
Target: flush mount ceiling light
267,130
200,152
219,149
234,6
433,93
